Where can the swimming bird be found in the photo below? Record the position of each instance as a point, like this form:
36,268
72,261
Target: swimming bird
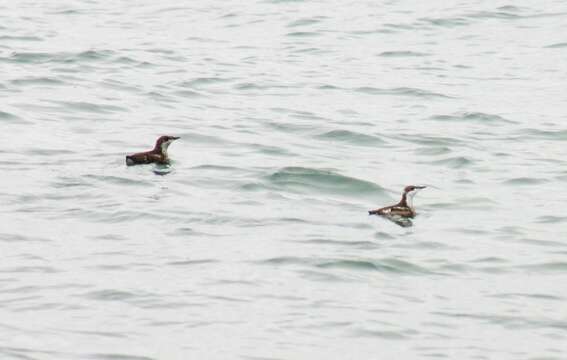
402,211
158,155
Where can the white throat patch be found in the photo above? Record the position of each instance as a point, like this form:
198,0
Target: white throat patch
409,197
164,146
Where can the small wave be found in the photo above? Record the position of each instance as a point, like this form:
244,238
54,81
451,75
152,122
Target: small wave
90,107
271,149
320,276
402,91
253,187
310,50
188,94
30,269
546,134
372,32
473,116
389,265
120,85
20,238
68,12
112,295
294,220
305,22
357,244
60,57
385,334
118,357
173,9
550,219
508,321
557,45
202,82
323,180
507,12
400,26
446,22
283,1
229,15
349,264
429,140
37,81
546,243
287,260
303,34
298,114
254,86
11,117
19,38
402,54
380,235
157,96
506,15
529,296
30,57
456,162
192,262
289,127
384,265
490,260
557,266
351,137
91,55
118,180
130,61
455,268
48,152
432,151
510,8
525,181
222,168
328,87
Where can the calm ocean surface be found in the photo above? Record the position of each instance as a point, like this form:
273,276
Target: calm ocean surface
295,118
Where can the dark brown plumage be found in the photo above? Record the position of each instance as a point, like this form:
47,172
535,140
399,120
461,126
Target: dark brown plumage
403,209
158,155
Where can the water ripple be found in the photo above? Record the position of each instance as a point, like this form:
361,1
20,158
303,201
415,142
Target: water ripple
402,91
406,53
351,137
112,356
557,45
473,117
525,181
9,117
309,179
293,117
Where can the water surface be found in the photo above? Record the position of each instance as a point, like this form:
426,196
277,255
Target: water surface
295,118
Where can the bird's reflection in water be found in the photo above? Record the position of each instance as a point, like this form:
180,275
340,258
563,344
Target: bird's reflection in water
162,169
401,221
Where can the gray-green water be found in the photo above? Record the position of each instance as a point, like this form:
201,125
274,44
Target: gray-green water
295,118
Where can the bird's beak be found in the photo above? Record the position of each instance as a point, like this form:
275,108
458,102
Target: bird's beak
175,137
420,187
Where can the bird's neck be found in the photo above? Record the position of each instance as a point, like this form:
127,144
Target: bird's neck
162,148
407,200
